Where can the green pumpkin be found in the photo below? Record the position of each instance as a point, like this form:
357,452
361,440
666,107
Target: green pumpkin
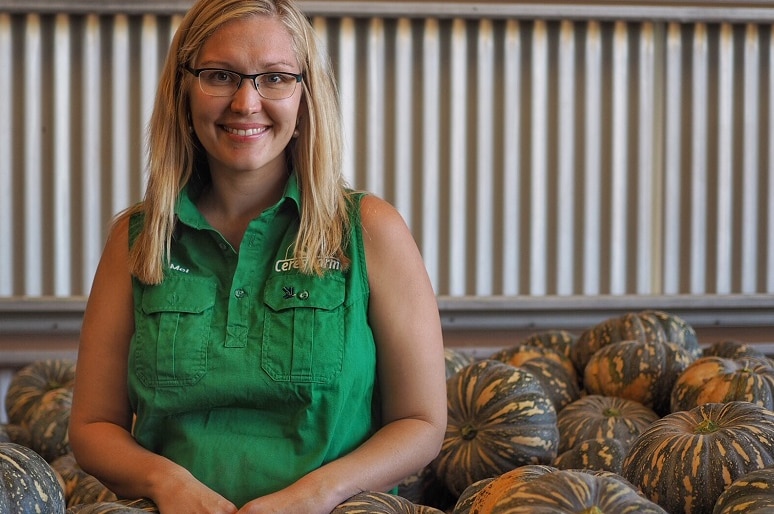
28,484
553,369
79,486
140,506
720,379
602,417
648,325
752,493
594,454
731,349
456,360
566,492
375,502
29,384
686,459
499,418
642,371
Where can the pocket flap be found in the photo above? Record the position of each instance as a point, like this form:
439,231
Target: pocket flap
180,294
294,291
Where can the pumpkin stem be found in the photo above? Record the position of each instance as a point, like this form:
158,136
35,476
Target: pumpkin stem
612,412
706,427
592,510
468,432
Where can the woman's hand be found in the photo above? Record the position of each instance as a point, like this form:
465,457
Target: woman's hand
181,493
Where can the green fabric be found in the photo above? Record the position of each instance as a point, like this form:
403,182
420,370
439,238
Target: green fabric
243,370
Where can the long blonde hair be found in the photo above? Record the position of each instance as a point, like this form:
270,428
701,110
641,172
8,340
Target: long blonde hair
174,155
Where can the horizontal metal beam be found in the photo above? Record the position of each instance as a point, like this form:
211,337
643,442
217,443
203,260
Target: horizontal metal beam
655,10
64,316
573,312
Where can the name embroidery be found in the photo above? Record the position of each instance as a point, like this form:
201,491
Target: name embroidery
178,268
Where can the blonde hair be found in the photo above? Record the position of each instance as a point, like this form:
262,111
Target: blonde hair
174,155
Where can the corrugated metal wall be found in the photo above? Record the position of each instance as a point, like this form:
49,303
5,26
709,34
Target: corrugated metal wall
529,157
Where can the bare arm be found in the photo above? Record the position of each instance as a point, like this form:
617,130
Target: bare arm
404,318
101,417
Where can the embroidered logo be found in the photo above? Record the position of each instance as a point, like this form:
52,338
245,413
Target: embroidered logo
291,263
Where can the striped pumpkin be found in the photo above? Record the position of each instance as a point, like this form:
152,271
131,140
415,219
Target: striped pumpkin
732,349
139,506
560,341
28,484
642,371
456,360
499,418
425,488
79,486
719,380
29,384
48,423
645,326
752,493
465,500
602,417
686,459
500,486
375,502
11,433
554,370
594,454
566,491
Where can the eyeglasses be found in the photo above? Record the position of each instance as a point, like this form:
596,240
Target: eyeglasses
272,85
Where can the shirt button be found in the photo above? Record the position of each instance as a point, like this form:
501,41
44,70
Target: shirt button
223,246
303,295
240,293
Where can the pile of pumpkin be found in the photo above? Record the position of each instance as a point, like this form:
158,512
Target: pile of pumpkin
629,416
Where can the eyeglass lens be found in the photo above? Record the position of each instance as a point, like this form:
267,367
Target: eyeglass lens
272,86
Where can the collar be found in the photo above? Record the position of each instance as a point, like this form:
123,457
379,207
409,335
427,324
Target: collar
188,213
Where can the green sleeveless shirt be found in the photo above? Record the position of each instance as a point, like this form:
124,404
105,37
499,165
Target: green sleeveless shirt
243,370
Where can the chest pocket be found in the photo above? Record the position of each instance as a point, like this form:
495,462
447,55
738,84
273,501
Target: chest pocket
303,337
171,341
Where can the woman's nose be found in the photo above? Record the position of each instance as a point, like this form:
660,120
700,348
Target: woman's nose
247,98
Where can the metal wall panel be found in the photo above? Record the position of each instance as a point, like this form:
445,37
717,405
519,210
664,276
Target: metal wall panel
541,157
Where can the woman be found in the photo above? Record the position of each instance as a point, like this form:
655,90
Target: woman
258,338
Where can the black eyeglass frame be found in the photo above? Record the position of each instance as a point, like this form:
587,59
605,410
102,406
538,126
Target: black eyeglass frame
242,76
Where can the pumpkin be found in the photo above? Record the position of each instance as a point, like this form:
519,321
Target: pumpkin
28,483
499,418
11,433
560,341
456,360
686,459
719,379
48,423
465,501
594,454
731,349
501,485
752,493
565,491
79,486
554,370
375,502
648,325
602,417
425,488
29,384
114,507
643,371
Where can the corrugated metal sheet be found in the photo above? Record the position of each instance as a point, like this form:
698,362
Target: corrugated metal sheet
529,157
